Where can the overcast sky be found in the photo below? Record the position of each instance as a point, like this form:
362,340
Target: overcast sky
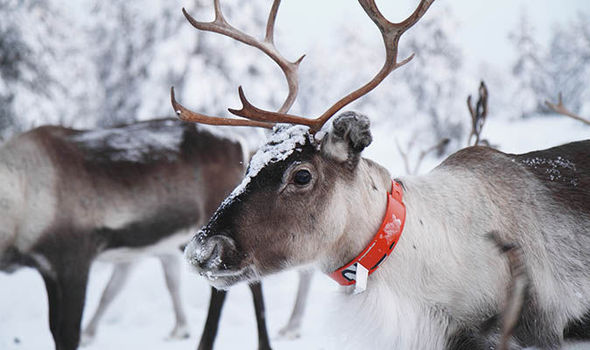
483,25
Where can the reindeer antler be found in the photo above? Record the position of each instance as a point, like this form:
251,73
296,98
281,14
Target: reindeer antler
391,33
478,114
221,26
560,108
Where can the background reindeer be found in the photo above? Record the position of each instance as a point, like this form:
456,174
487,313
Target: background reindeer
70,195
121,270
312,198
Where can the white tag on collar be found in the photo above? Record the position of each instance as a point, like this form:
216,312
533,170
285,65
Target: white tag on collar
361,277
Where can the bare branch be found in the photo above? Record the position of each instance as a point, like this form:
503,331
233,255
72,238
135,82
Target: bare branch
560,109
441,144
404,154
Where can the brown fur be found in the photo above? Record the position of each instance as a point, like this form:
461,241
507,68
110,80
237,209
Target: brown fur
157,195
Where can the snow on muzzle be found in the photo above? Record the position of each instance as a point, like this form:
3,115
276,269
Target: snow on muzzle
215,257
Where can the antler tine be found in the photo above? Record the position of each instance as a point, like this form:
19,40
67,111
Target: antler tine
391,33
560,108
270,23
221,26
190,116
252,112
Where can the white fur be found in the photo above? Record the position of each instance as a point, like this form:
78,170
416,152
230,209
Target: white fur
382,318
336,148
27,179
444,269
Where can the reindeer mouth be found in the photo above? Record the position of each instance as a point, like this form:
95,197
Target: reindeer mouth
218,260
223,279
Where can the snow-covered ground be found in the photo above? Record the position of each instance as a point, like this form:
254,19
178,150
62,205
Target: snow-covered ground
142,317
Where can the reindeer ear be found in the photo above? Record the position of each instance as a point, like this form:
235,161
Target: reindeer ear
350,134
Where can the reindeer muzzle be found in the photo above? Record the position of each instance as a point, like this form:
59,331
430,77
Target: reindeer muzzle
213,255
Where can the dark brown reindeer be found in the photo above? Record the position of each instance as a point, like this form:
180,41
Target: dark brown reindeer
309,197
68,196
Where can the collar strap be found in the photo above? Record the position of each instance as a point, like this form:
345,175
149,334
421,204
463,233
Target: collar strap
382,243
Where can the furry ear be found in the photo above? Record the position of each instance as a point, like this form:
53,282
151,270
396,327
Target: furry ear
350,134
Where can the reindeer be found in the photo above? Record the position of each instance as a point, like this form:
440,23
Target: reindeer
309,197
68,196
122,266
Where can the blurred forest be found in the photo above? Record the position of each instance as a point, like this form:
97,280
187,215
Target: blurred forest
95,64
101,63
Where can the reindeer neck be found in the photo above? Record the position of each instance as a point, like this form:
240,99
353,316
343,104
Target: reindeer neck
365,208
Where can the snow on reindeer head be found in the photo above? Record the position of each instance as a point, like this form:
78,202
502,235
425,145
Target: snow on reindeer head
294,201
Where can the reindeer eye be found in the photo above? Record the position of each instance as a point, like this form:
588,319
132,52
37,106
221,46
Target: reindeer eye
302,177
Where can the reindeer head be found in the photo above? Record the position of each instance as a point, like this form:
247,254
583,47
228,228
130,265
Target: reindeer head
301,191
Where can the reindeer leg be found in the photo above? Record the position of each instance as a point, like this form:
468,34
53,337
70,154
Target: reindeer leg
66,291
118,278
54,299
263,341
292,329
172,274
73,287
212,323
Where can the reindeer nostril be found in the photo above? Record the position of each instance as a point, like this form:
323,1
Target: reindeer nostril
213,253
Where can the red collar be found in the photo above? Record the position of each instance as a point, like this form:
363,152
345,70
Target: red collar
382,244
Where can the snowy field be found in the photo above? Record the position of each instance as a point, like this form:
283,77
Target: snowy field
142,317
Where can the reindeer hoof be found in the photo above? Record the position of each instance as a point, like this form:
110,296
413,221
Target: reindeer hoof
86,338
289,334
179,333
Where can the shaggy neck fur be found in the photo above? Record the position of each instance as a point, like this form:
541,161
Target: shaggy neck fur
365,206
407,299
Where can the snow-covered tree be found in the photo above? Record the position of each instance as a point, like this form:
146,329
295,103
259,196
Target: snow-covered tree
437,79
529,69
569,63
106,63
45,79
541,72
122,51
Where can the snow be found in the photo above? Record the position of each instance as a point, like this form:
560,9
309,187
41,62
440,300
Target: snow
141,318
280,144
552,167
136,142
